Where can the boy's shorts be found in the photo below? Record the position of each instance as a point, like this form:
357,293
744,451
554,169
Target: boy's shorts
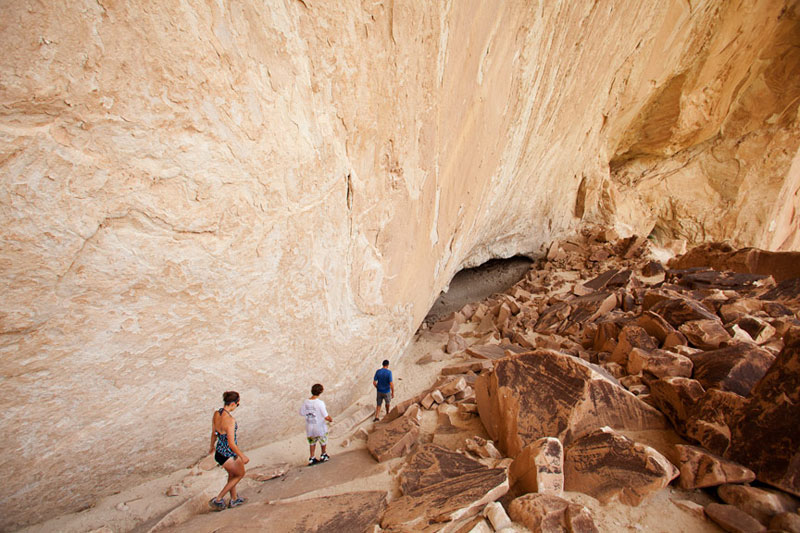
384,397
323,440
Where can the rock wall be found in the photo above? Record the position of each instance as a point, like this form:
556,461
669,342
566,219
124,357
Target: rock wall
202,196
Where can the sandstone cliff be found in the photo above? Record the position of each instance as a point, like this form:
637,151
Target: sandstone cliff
257,196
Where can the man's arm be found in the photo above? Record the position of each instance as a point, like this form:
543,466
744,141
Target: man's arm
391,384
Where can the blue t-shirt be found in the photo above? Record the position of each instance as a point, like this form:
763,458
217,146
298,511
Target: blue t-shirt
383,376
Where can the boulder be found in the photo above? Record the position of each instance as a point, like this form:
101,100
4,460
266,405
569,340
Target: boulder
676,398
788,522
550,394
732,519
655,326
546,513
538,468
759,330
705,334
709,422
440,485
607,465
659,363
455,343
394,439
700,468
759,503
719,256
453,387
677,309
764,433
632,337
735,368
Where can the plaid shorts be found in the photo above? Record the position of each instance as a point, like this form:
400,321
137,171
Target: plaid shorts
323,440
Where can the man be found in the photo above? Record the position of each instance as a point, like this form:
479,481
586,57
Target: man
383,382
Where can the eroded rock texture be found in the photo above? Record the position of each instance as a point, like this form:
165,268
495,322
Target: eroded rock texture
257,196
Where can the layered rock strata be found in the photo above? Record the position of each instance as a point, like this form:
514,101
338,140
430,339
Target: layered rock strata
188,189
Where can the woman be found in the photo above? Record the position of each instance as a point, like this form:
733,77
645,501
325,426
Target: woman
226,451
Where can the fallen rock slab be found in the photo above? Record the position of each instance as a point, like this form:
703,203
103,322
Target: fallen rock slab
538,468
709,423
789,522
607,465
764,434
759,503
439,486
676,397
732,519
547,513
394,439
705,334
700,468
735,368
549,394
659,363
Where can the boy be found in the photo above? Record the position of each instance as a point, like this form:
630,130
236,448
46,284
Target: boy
316,429
385,385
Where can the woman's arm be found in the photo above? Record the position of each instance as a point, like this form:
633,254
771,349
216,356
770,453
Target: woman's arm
213,433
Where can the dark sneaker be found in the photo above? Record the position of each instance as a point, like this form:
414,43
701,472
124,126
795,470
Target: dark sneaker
237,502
312,461
376,419
217,505
324,457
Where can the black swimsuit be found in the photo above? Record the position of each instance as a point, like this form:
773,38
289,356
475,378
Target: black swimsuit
223,451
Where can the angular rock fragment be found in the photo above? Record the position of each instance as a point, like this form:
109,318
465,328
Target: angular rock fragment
454,386
629,338
709,422
705,334
788,522
438,486
455,343
546,513
394,439
759,503
545,393
607,465
732,519
539,468
677,310
655,325
676,398
700,468
736,368
659,363
463,368
497,516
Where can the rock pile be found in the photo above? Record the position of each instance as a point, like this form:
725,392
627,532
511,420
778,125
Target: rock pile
595,342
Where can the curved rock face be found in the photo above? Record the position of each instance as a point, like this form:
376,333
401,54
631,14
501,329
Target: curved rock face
208,196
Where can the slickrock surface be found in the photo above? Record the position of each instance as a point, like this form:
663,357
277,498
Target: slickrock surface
189,189
356,512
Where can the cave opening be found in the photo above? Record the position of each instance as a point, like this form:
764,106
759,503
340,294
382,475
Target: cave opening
475,284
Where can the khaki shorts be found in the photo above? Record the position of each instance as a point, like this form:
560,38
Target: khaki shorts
323,440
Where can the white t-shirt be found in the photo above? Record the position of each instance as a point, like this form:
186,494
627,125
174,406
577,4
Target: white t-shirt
315,413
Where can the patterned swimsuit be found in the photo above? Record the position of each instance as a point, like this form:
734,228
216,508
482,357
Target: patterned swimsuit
223,451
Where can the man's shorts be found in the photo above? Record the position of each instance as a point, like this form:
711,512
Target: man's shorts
323,440
384,397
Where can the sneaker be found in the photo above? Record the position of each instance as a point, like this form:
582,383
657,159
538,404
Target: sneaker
237,502
376,419
324,457
217,505
312,461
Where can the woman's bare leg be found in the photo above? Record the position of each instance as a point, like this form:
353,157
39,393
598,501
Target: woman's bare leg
235,469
